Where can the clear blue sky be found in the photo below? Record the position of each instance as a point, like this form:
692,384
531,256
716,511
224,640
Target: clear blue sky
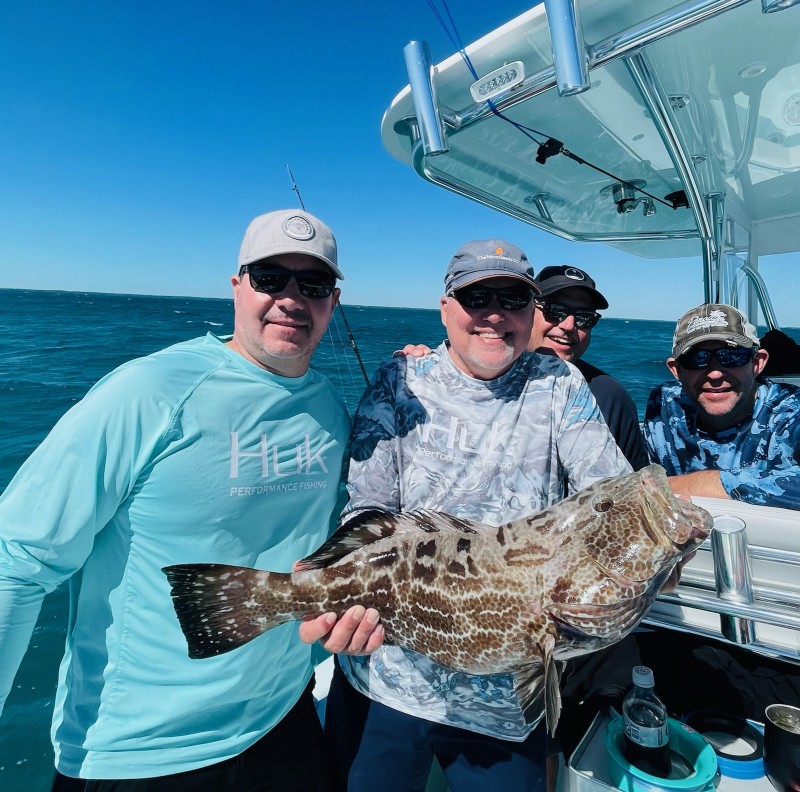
137,140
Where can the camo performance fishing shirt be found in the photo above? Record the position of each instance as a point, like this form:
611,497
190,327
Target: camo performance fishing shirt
759,459
427,436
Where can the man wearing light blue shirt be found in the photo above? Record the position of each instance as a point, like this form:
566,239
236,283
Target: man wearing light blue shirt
225,450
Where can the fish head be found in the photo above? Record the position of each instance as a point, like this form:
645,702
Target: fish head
684,523
620,540
633,526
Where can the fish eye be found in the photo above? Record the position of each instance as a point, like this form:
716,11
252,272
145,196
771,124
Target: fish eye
604,505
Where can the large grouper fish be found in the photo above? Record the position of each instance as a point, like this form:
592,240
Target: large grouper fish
519,598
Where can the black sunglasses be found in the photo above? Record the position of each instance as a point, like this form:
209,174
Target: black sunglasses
511,298
556,313
727,357
271,279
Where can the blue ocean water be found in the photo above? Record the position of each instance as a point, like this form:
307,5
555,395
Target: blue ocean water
55,345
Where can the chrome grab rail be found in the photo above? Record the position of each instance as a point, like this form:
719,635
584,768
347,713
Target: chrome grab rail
779,614
763,613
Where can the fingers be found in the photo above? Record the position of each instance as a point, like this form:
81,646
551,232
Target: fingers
370,634
316,629
671,583
358,631
414,350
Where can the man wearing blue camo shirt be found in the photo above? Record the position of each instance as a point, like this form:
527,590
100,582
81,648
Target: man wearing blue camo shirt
722,430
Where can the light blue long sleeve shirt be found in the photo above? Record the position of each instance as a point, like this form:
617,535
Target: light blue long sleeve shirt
192,454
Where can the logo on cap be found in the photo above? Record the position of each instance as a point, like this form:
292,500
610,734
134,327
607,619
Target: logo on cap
498,251
298,227
700,323
574,274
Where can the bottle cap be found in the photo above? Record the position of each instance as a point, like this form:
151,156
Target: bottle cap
643,677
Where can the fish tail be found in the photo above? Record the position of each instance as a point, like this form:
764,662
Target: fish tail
217,606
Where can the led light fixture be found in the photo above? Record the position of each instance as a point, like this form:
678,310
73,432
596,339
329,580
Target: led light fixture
509,76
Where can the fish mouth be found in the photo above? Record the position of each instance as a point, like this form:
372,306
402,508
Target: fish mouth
701,521
686,522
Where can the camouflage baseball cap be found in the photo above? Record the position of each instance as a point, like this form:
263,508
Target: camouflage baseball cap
713,322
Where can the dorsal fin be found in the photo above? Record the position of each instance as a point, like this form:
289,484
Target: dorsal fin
371,525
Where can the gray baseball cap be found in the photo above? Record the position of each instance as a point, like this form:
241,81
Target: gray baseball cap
487,258
289,231
713,322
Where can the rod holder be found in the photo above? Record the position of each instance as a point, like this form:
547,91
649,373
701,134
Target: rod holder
732,575
570,58
423,94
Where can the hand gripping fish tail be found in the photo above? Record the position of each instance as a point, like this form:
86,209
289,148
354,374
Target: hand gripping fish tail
519,598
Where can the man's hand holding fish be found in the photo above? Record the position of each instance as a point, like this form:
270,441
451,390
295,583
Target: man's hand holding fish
358,631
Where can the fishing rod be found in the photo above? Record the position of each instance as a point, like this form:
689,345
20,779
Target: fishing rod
350,335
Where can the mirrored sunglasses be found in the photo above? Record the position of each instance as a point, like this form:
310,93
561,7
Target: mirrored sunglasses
727,357
556,313
510,298
271,279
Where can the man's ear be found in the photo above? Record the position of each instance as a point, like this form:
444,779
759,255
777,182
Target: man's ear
760,360
672,365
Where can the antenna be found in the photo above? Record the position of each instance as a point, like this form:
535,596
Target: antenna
350,335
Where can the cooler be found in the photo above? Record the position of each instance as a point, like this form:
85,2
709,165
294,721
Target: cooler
589,770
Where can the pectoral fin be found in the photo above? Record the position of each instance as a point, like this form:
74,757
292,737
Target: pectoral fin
600,621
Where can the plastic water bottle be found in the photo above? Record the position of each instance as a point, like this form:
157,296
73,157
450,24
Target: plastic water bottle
646,726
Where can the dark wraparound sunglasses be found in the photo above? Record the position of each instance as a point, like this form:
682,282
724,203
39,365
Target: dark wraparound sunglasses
511,298
556,313
727,357
271,279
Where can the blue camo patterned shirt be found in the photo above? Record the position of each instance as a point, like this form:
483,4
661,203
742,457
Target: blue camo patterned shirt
759,459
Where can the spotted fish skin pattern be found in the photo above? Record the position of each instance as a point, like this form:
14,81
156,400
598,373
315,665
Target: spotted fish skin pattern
516,598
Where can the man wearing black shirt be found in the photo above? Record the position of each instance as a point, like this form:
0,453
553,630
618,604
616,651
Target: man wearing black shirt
566,312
